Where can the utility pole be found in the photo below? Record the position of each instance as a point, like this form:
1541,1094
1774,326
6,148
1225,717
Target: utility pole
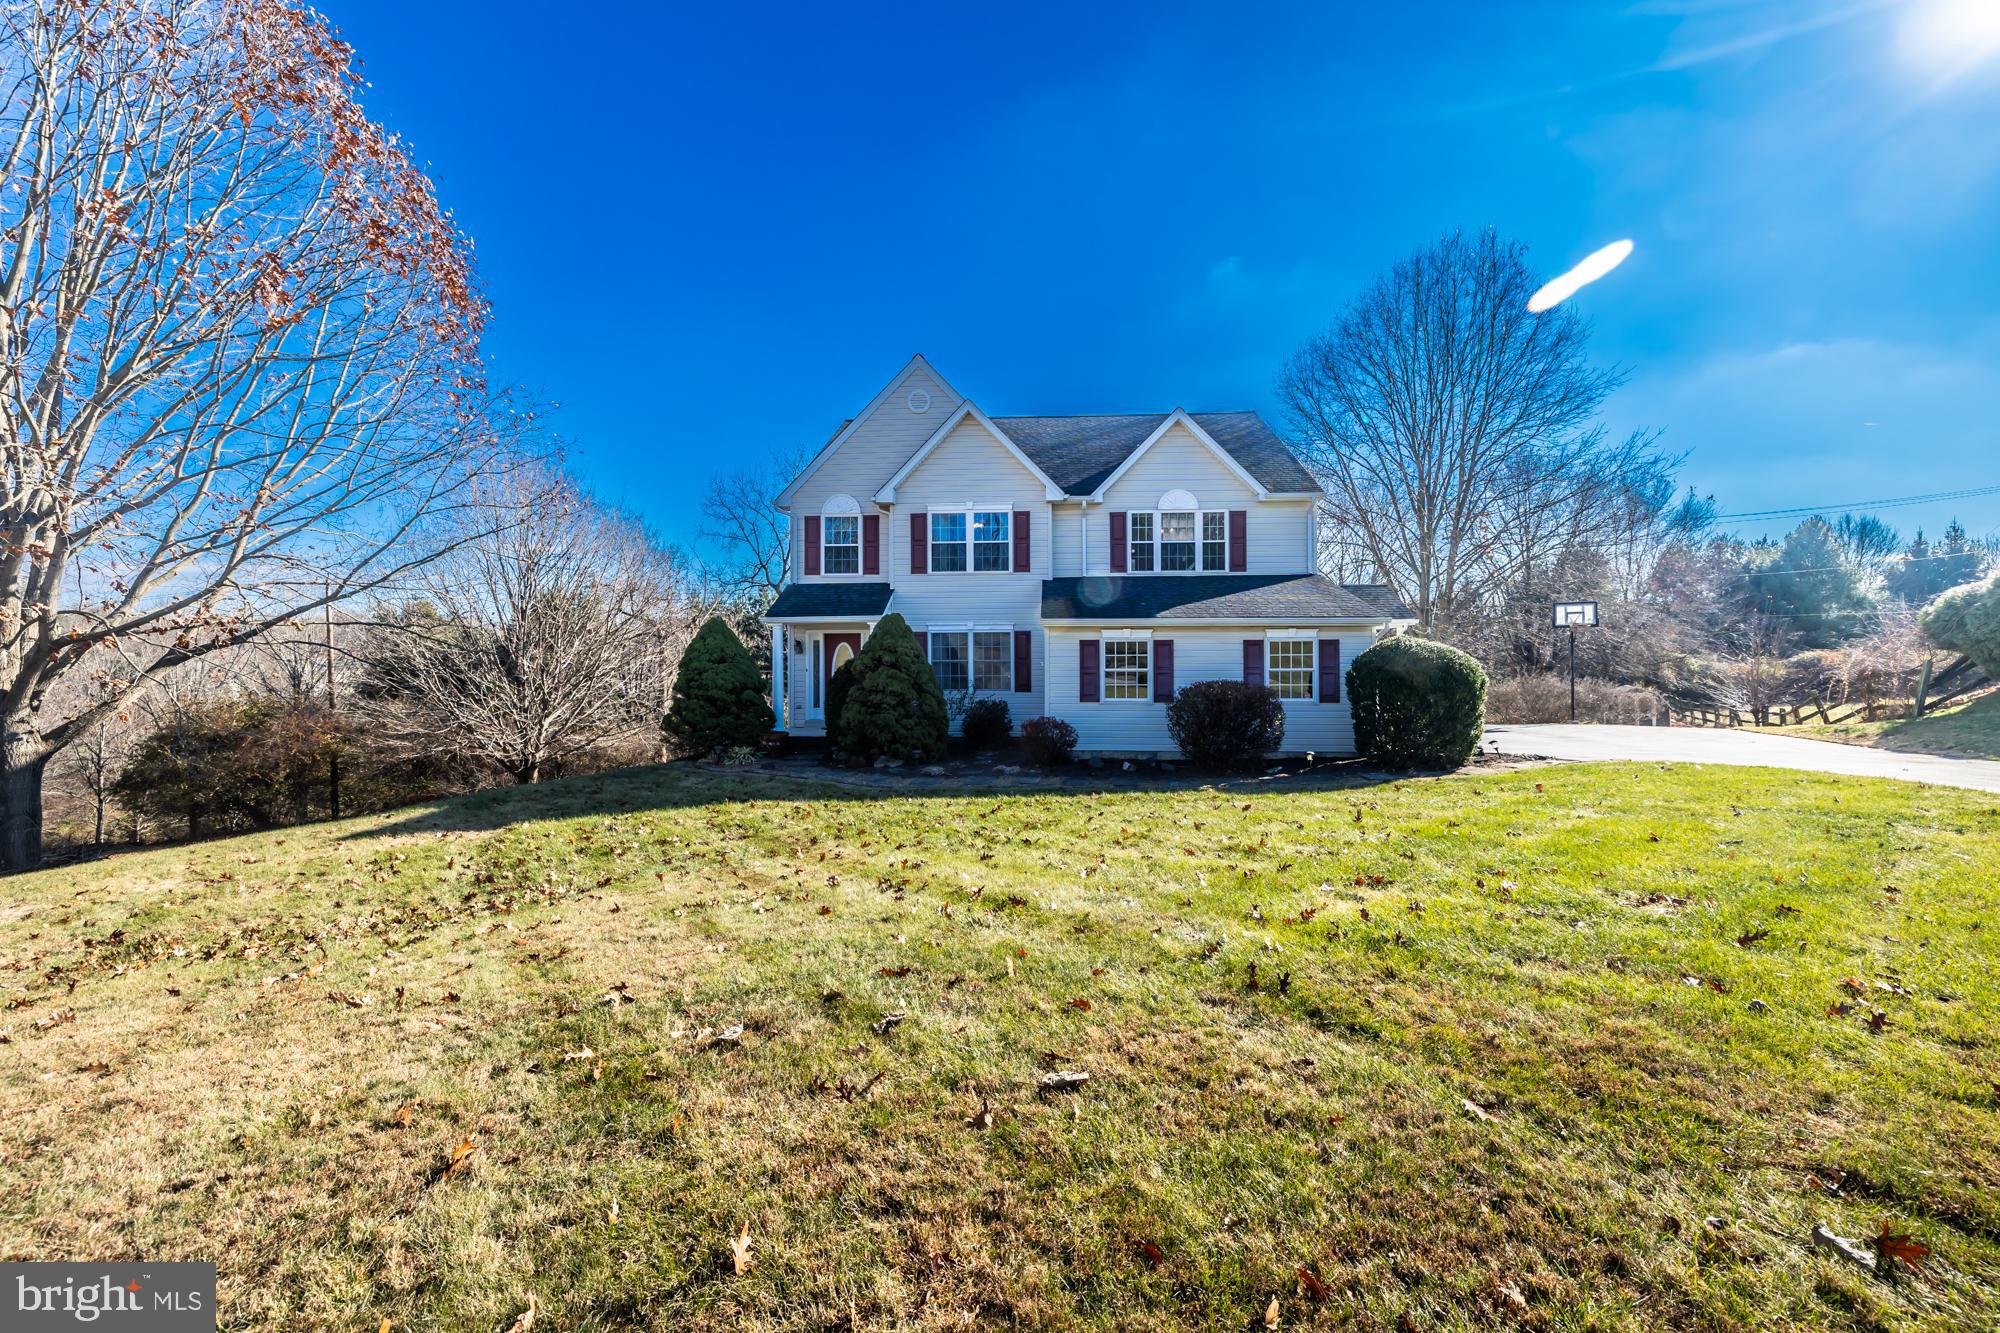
332,703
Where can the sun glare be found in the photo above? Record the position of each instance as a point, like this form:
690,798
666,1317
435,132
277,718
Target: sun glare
1594,266
1948,39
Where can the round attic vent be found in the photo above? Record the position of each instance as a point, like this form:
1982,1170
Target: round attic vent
920,400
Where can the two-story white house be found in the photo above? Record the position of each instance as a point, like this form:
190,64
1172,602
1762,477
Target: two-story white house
1082,567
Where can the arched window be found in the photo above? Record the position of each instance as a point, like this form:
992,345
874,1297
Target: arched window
840,535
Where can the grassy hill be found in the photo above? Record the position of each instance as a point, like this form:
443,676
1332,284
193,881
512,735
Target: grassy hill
1580,1047
1969,729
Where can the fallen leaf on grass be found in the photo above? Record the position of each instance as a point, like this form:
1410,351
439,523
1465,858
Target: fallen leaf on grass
1473,1108
456,1163
1899,1247
887,1023
1079,1003
983,1117
405,1116
1309,1283
1271,1314
1151,1253
1064,1080
1750,937
739,1252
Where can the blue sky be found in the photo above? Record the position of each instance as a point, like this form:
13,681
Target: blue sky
713,230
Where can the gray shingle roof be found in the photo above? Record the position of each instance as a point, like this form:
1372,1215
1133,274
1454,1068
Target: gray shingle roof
854,600
1078,453
1381,596
1222,597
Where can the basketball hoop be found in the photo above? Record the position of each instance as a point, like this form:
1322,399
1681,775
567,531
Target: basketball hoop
1573,616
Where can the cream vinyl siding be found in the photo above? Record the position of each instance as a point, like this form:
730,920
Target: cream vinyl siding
970,466
880,444
1066,534
1277,531
1200,653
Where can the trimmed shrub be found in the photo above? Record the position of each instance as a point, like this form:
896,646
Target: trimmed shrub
1417,703
1967,620
986,724
1049,741
1226,723
718,698
894,707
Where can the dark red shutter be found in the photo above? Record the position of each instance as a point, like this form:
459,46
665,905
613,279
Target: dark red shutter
1117,541
920,533
871,543
1239,540
924,642
1024,660
812,544
1021,547
1086,671
1329,671
1163,671
1253,661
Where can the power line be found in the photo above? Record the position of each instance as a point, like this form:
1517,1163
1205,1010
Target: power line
1808,511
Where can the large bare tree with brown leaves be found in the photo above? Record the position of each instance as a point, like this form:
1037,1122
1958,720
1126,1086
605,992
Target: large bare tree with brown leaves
238,352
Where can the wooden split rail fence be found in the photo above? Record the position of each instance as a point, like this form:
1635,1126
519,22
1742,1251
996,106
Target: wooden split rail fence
1961,678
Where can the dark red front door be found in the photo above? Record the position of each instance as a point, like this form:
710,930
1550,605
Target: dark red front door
833,642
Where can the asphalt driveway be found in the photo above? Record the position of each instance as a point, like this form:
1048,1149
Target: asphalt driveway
1703,745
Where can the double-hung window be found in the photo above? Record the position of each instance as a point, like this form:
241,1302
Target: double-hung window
1140,538
993,661
840,544
1289,666
1214,540
949,660
1177,541
980,660
948,555
1128,669
992,551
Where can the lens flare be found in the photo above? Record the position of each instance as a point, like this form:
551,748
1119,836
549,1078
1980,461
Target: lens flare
1594,266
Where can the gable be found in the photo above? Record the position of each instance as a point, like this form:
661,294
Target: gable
880,439
1178,460
972,462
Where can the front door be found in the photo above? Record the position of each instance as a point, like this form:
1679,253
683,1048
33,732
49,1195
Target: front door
840,650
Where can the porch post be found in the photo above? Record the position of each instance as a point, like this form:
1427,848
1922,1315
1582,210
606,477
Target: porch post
780,651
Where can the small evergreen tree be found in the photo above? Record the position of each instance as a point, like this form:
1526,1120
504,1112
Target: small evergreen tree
718,696
894,707
836,695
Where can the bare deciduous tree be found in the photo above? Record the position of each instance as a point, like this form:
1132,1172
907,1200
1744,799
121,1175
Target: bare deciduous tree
1453,429
531,645
740,515
238,349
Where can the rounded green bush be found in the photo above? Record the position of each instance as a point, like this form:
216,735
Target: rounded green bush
1967,620
1417,703
894,707
718,697
1226,723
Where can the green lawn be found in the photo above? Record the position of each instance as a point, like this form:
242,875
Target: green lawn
1568,1048
1971,729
